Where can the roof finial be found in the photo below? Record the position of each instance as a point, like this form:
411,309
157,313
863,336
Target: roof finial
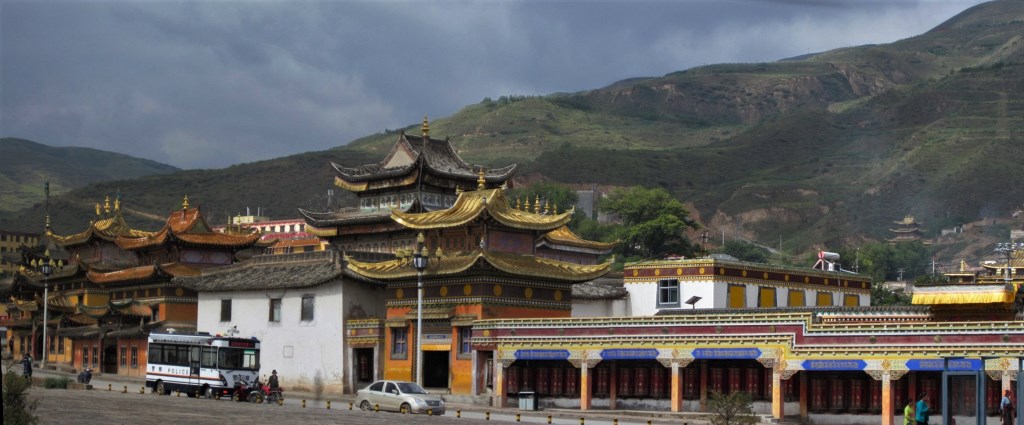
47,222
106,205
481,183
547,207
426,128
184,203
536,204
526,206
963,265
554,209
117,204
518,206
97,209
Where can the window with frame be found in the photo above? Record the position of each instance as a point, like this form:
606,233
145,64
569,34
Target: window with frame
135,356
85,356
275,310
465,341
225,310
668,293
52,346
399,343
60,345
95,356
124,355
307,308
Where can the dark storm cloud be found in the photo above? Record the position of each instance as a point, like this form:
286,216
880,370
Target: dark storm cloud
208,84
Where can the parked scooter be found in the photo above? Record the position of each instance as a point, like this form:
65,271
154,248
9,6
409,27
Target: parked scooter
85,376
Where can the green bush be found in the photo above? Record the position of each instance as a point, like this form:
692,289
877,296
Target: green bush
732,409
58,382
17,409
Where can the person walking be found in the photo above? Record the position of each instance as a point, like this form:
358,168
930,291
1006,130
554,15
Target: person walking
922,410
908,413
1006,410
26,365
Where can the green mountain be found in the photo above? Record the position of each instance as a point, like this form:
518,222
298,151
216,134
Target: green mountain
821,150
25,165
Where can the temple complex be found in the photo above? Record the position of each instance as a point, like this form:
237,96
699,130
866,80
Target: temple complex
111,284
908,230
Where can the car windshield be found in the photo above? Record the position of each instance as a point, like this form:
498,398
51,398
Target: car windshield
410,388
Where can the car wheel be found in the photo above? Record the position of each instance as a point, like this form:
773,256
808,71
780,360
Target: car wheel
159,390
405,408
365,405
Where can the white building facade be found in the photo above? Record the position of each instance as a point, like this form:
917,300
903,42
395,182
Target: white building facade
297,306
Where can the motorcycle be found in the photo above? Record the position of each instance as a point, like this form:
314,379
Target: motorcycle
85,376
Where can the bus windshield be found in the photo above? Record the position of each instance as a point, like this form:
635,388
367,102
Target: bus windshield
239,358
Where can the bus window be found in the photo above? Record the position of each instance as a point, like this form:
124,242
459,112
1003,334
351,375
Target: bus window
209,358
238,358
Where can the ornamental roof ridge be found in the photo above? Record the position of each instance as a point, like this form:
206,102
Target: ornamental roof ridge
438,156
187,225
513,264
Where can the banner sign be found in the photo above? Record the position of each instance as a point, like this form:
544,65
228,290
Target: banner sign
727,353
926,364
834,364
630,354
542,354
964,364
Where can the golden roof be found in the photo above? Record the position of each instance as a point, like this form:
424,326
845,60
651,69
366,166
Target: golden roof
141,273
563,235
109,228
964,294
471,205
522,265
188,225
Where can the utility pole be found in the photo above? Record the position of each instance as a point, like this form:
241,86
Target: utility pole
856,263
1008,248
900,270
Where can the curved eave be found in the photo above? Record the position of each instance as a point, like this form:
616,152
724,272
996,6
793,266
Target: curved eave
470,205
564,236
953,295
357,175
513,264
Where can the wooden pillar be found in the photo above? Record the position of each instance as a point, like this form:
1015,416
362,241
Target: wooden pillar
703,386
499,384
778,403
804,401
912,382
887,400
613,386
585,391
677,388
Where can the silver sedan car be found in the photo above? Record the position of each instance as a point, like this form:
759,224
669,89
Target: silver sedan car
398,396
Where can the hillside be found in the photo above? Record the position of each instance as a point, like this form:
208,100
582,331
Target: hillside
25,165
821,150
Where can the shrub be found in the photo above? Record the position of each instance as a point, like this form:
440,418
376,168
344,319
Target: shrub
57,382
733,409
17,409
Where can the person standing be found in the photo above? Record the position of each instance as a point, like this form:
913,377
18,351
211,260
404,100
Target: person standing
26,365
922,410
908,413
1006,410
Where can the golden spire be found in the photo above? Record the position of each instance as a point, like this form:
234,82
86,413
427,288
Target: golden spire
518,206
547,207
97,209
425,128
117,204
536,204
481,184
526,206
47,222
438,253
184,203
106,205
963,265
554,209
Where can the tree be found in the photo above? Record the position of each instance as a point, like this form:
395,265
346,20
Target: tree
17,408
881,295
733,409
653,223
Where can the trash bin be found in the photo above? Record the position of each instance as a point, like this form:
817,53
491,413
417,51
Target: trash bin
527,400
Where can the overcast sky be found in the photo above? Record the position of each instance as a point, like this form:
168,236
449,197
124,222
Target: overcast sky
210,84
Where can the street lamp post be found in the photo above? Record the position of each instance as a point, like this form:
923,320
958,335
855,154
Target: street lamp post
46,266
419,262
1008,248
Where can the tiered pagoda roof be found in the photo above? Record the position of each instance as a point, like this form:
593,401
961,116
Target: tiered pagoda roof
562,236
109,226
410,154
141,274
187,226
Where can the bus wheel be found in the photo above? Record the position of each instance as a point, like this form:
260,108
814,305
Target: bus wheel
208,393
159,389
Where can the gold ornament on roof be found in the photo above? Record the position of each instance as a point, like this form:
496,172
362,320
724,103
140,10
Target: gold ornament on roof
47,221
536,205
554,209
97,209
547,207
438,253
106,205
184,203
481,184
425,128
526,206
117,204
518,206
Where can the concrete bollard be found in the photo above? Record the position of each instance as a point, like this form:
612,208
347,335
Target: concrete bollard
125,391
487,416
179,393
280,402
142,390
303,403
376,408
328,405
517,418
350,405
615,421
110,387
582,422
458,414
430,412
549,419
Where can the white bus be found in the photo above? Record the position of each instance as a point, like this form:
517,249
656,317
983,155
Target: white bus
200,363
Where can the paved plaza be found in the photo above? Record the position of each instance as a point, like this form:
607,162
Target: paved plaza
99,406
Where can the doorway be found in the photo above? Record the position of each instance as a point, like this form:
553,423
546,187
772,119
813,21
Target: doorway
435,368
364,366
110,358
